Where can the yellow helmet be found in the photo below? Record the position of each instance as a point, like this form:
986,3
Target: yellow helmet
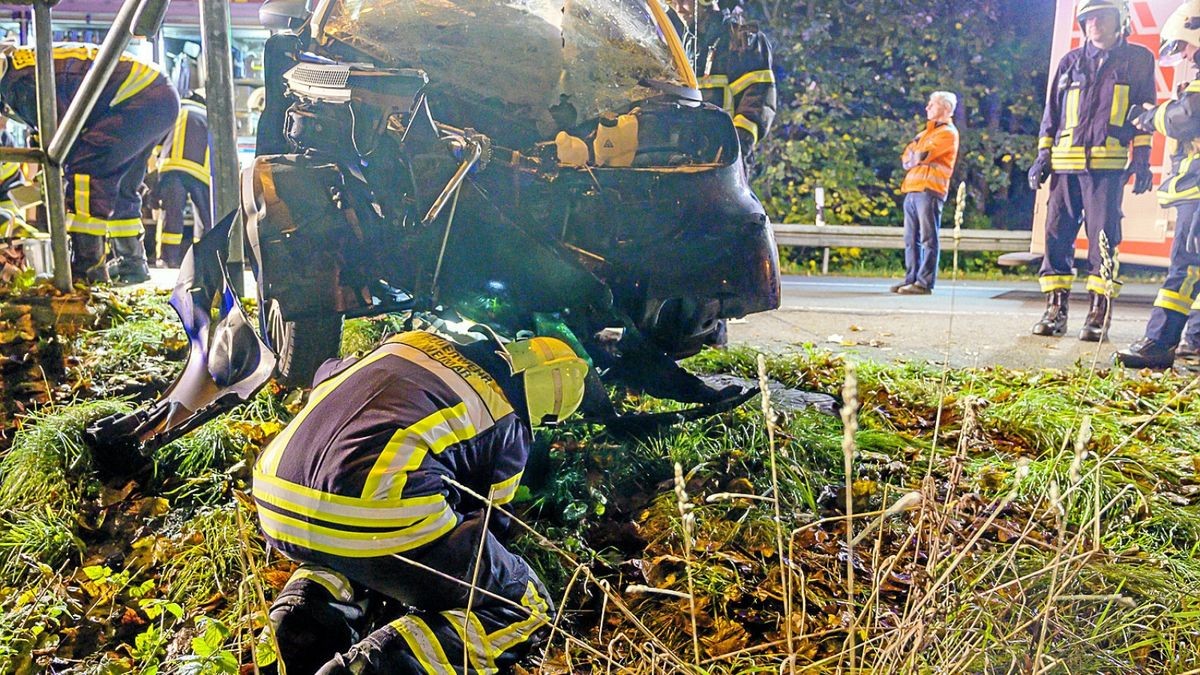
1181,29
554,377
1086,7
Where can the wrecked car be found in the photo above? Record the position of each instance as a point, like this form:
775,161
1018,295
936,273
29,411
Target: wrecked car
536,165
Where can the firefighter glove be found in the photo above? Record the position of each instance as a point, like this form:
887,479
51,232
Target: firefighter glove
1139,168
1143,118
1040,171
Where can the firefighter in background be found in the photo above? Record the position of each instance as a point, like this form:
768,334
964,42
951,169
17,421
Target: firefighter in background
105,167
358,489
11,217
733,58
1089,149
183,172
1178,119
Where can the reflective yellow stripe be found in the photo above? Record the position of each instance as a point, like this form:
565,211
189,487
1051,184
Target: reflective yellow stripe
1072,109
1188,287
83,194
140,76
1101,286
504,491
337,585
178,140
343,510
171,238
719,82
438,356
80,224
407,448
1120,105
268,462
8,170
1045,142
423,644
1172,301
751,78
742,122
474,639
1142,140
355,544
125,227
1160,119
539,615
1056,282
186,166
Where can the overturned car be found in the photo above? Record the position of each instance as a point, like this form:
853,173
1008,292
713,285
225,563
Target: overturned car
535,165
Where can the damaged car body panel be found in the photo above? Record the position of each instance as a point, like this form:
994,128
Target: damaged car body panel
533,165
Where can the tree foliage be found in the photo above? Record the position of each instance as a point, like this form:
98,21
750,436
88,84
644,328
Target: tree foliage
854,78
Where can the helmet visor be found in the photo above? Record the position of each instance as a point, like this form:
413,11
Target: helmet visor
1172,53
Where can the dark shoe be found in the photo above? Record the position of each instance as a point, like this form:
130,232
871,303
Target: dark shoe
895,288
87,258
1145,353
1095,326
1187,351
913,289
130,266
1054,321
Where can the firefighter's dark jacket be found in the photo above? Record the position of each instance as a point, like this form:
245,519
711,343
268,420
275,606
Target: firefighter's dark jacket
186,146
18,89
734,60
359,472
1179,119
1085,124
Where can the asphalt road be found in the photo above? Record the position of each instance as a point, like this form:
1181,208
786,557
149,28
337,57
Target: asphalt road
974,323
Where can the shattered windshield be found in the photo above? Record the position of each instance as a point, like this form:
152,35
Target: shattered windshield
526,55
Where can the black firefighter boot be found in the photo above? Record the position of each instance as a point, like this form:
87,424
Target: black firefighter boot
1054,321
1146,353
130,266
87,258
1095,326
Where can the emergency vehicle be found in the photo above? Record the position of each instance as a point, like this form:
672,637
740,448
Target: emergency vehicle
1147,228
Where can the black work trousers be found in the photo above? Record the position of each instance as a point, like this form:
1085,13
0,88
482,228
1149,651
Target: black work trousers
508,609
1091,200
174,189
1179,290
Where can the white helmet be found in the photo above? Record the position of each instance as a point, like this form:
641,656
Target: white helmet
1181,30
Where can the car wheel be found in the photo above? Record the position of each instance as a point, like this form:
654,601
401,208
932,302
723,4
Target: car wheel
302,344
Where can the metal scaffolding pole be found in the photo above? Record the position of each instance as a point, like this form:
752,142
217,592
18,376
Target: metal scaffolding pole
218,89
56,210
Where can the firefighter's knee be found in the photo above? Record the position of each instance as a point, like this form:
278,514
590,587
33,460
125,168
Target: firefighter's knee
313,620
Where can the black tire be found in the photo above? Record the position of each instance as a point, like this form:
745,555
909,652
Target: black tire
302,345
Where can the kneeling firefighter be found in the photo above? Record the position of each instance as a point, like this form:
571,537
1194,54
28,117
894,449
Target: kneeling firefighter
105,166
363,489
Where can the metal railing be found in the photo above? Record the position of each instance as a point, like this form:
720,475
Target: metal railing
866,236
135,17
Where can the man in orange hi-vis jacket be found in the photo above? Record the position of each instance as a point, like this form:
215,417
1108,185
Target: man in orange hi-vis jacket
929,160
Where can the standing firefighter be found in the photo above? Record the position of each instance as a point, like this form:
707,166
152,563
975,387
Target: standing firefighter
734,68
183,171
1178,119
1084,147
363,489
105,167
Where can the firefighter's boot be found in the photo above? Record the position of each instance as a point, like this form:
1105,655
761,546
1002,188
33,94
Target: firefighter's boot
1146,353
1095,326
87,258
1054,321
312,624
130,267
